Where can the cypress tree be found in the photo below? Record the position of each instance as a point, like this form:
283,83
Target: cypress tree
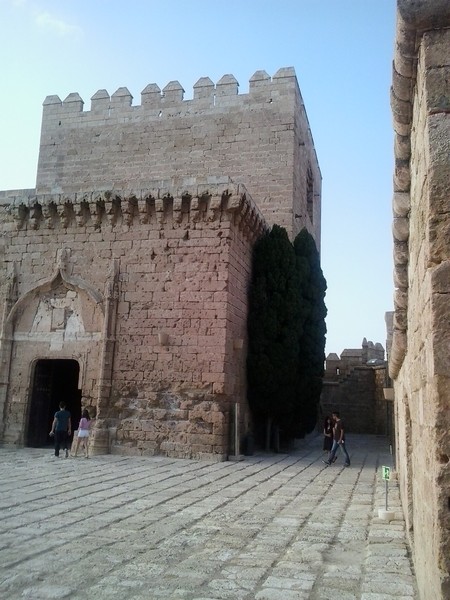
274,330
312,287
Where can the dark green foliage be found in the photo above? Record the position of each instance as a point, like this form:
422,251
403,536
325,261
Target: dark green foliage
286,328
312,339
274,327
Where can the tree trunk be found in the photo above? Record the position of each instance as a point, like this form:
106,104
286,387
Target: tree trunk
268,430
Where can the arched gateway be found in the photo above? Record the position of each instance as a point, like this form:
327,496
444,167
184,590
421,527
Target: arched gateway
51,342
53,381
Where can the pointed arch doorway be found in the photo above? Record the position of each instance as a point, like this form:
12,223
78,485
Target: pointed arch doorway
53,381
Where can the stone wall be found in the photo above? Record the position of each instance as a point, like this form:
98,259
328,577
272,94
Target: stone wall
419,358
353,395
131,259
148,294
359,397
261,139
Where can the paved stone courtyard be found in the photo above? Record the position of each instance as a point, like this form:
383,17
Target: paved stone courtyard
272,527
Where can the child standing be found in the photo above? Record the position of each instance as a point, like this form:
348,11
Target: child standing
83,433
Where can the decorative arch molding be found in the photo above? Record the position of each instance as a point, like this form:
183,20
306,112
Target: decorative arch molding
48,283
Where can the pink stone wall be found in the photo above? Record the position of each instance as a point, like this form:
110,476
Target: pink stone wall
161,336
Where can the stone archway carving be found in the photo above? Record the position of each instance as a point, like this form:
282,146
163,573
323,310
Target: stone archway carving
47,284
54,313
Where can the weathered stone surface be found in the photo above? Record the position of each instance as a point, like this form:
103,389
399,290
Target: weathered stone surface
400,299
419,354
400,229
401,276
401,253
398,351
401,204
128,266
440,278
148,528
232,137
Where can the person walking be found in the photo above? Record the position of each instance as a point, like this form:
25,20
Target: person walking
61,429
83,433
338,442
327,434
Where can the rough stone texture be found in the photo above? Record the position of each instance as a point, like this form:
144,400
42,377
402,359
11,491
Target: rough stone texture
354,395
131,259
355,388
270,527
105,279
261,139
421,332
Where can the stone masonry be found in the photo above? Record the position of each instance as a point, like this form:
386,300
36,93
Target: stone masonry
353,384
419,361
261,139
124,274
271,527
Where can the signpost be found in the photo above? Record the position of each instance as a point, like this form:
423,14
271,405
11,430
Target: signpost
385,514
386,474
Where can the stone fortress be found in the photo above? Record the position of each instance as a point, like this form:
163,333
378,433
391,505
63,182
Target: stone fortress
354,383
419,352
124,273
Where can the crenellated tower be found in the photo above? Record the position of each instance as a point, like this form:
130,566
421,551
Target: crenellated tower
124,274
260,139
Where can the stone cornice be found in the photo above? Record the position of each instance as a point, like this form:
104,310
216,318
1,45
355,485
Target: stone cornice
160,207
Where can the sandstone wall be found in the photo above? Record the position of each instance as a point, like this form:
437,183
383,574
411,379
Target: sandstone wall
353,395
383,408
420,363
148,294
261,139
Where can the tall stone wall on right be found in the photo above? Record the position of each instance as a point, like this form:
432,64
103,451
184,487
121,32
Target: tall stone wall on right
419,361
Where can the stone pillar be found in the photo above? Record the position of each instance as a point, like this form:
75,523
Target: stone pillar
100,435
6,344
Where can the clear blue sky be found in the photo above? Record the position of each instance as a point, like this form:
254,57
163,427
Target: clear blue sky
342,52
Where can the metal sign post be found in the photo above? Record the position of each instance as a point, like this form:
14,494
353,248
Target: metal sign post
386,474
236,435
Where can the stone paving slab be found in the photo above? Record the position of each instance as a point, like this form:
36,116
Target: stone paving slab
271,527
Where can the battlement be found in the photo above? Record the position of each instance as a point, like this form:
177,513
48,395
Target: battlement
261,139
206,94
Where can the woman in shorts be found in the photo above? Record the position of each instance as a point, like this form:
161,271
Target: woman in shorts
83,433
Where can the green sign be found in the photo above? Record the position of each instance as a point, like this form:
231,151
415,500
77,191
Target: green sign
386,472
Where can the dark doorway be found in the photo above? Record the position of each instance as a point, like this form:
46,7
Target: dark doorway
53,381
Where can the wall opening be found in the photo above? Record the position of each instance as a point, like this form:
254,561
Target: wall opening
53,381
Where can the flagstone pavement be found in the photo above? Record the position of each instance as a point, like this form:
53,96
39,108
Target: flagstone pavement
270,527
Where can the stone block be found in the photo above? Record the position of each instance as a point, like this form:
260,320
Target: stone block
435,50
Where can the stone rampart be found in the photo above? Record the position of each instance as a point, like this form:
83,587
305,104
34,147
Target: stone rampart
419,358
261,138
353,395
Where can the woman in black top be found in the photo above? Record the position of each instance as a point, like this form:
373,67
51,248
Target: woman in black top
327,434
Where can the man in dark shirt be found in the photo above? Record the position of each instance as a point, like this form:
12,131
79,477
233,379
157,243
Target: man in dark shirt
61,429
338,441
